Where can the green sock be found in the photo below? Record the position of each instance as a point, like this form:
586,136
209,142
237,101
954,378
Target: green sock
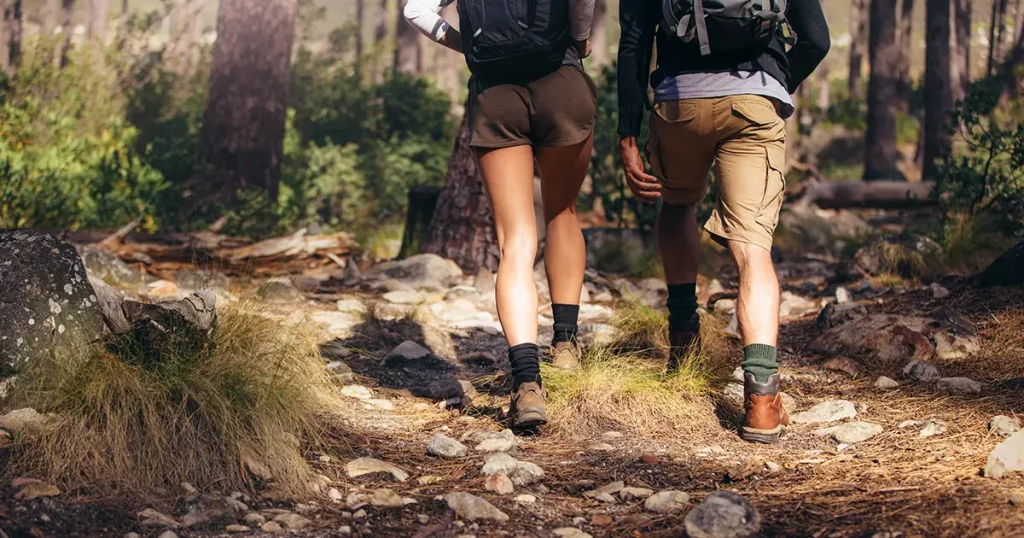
759,359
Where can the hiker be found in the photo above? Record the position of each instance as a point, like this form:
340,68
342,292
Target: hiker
721,93
529,98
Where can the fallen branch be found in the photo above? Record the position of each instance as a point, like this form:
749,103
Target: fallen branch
873,194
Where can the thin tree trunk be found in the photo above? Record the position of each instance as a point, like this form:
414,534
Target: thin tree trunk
1010,69
96,21
880,158
51,17
858,33
463,227
938,96
599,34
407,47
961,48
360,24
824,97
995,35
244,121
10,48
380,41
67,31
905,40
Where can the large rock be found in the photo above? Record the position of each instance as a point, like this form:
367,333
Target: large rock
422,272
471,507
723,514
885,338
46,300
1008,457
830,411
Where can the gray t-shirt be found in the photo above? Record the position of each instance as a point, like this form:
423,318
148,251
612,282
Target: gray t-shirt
724,84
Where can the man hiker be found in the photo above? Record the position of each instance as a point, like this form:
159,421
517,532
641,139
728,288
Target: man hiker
725,72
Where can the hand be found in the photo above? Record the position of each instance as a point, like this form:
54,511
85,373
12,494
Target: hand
645,187
583,48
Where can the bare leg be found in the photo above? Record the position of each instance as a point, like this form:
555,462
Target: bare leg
562,170
508,176
758,307
679,243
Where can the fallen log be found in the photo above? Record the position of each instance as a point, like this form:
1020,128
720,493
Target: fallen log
873,194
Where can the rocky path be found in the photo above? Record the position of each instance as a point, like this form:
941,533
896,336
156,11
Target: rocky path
906,408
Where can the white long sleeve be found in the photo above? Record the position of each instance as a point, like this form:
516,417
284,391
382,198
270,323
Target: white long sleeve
581,18
425,16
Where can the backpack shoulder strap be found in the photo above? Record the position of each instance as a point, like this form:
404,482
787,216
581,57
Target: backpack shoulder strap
702,28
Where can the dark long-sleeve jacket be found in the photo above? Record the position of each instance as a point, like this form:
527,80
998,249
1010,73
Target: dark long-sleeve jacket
640,20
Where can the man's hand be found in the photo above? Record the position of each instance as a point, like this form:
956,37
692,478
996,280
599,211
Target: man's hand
645,187
583,48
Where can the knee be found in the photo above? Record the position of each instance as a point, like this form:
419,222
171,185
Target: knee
565,214
750,258
520,247
674,212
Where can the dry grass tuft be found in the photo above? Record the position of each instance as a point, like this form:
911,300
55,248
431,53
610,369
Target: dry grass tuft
130,429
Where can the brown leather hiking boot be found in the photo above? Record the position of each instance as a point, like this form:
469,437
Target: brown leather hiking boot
766,418
683,345
529,408
565,356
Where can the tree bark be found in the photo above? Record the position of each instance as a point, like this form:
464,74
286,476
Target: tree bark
905,40
995,35
360,24
1007,270
244,121
938,89
463,227
407,47
599,34
961,48
50,17
880,158
10,48
96,19
858,32
892,194
67,30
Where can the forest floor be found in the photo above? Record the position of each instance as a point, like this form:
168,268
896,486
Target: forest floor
898,483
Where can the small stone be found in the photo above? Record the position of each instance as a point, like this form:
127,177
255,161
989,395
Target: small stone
132,535
525,498
405,353
386,498
885,383
151,518
1008,457
772,467
917,370
423,518
364,466
254,518
291,521
359,514
36,490
845,365
522,473
404,297
504,442
570,532
358,392
959,386
271,526
650,459
344,530
667,502
1004,426
610,435
843,295
932,428
334,495
938,292
237,528
601,447
443,446
382,404
856,432
21,419
498,483
472,508
830,411
634,493
723,514
167,534
601,520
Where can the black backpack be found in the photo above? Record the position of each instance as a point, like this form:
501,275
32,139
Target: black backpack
514,41
726,26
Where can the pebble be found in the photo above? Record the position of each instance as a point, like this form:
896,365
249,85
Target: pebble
608,436
358,392
345,530
498,483
386,498
525,498
938,292
959,385
271,526
1007,457
254,518
334,495
845,365
723,514
856,432
291,521
364,466
921,371
885,383
843,295
237,528
667,502
359,514
634,493
522,473
471,507
423,518
1003,425
932,428
443,446
503,442
601,447
167,534
830,411
570,532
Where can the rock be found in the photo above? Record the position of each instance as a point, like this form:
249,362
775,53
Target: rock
386,498
634,493
959,385
845,365
920,371
405,353
1008,457
504,442
279,290
236,528
404,297
46,300
105,266
609,435
830,411
291,521
1003,426
472,508
421,272
336,324
443,446
570,532
843,295
185,326
938,292
151,518
601,447
167,534
213,510
953,347
254,518
447,388
525,498
498,483
364,466
34,489
271,526
727,306
382,404
890,339
667,502
351,306
21,420
932,428
856,432
885,383
723,514
358,392
792,305
522,473
607,489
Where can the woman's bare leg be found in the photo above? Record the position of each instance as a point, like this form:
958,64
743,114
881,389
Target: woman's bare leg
562,171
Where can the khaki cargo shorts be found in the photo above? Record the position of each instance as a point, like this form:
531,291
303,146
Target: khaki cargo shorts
745,139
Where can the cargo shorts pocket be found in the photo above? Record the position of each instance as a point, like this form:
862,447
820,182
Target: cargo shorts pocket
775,186
666,117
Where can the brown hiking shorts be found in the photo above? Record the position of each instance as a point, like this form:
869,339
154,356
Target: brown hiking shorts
557,110
744,138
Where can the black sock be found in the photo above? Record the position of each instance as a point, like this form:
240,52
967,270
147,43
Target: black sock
566,327
525,361
682,308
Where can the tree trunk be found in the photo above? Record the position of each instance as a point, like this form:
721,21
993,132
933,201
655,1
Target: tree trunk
407,47
905,40
381,41
360,24
10,48
995,35
50,17
938,89
858,32
67,30
418,216
599,35
463,227
961,69
244,121
876,194
96,19
1007,270
880,158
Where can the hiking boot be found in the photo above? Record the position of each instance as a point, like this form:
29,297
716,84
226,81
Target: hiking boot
683,346
565,356
528,407
766,418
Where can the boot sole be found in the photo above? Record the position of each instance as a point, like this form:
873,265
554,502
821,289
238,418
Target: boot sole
530,419
761,436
